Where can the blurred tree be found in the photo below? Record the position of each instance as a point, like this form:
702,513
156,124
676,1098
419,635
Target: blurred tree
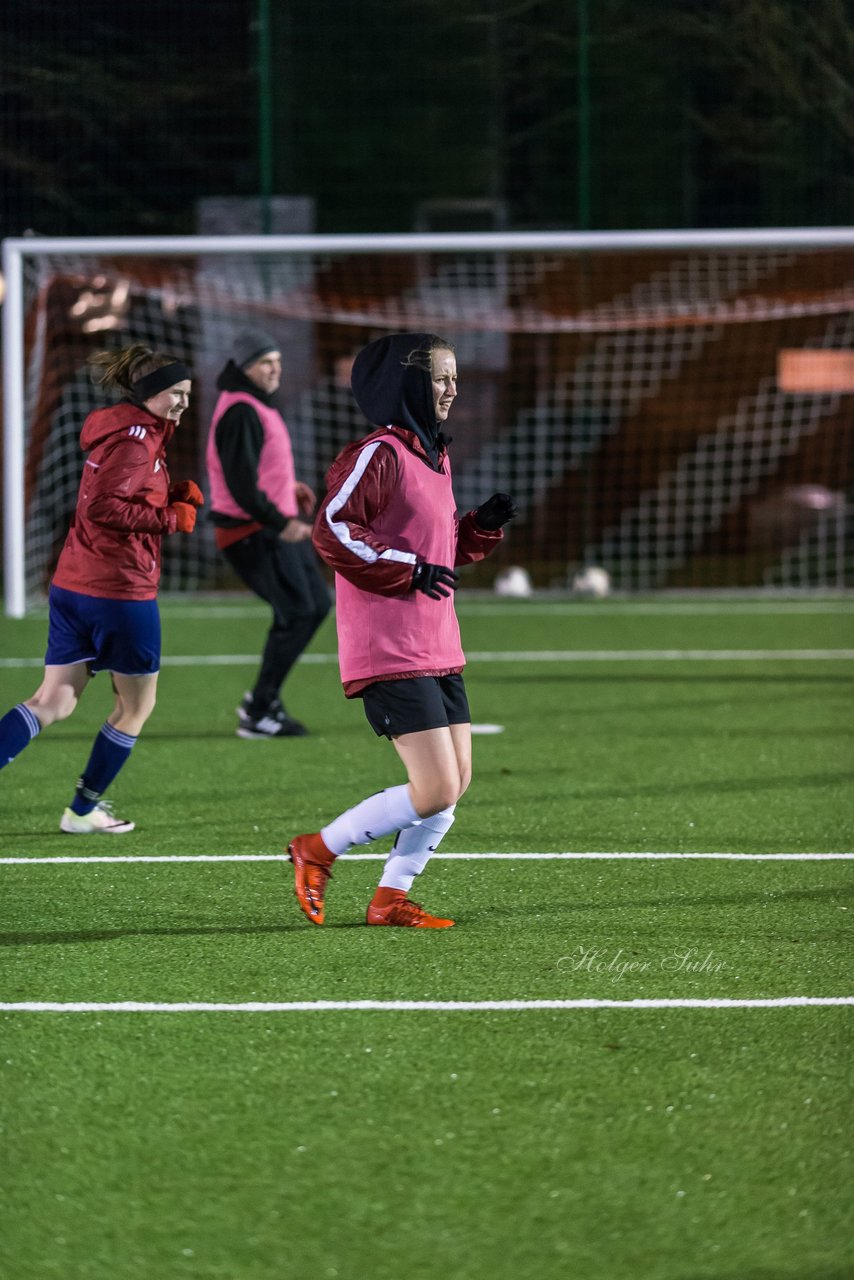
115,119
772,103
691,112
379,107
786,65
702,112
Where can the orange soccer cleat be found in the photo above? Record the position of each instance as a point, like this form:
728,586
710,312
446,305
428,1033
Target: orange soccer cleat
404,913
312,862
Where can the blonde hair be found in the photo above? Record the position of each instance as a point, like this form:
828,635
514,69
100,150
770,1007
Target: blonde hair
119,370
421,357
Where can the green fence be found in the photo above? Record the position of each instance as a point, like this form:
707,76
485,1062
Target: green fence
192,115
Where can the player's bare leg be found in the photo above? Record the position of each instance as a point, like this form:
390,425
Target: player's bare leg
88,813
58,693
438,765
438,762
135,700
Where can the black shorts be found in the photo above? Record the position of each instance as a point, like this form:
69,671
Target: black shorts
394,707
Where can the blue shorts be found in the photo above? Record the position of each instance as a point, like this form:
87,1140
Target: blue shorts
109,635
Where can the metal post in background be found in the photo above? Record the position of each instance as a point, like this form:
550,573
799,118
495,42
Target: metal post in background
265,117
14,444
589,496
583,194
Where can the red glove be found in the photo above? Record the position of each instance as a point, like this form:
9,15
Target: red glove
187,491
185,515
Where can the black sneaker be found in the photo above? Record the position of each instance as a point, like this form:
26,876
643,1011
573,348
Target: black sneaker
274,723
275,709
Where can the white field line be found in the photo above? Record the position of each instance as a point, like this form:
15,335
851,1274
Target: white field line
496,608
440,857
408,1006
663,655
564,608
523,655
722,608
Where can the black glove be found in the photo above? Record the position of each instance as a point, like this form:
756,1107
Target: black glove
434,580
495,512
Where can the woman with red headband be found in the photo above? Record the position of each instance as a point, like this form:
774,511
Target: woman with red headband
103,613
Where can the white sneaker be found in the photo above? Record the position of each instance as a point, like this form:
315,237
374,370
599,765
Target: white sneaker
100,822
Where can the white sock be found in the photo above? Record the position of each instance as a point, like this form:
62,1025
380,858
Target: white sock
379,815
414,848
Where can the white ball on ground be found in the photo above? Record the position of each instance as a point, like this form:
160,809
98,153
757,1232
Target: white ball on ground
514,582
593,582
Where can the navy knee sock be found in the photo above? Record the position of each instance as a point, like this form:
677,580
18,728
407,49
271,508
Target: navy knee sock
110,750
17,730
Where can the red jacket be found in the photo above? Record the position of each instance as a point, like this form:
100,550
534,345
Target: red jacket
113,546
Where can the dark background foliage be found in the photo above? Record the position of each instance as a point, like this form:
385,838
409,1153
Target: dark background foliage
540,113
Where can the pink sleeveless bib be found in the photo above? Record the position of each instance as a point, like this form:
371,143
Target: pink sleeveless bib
275,466
383,635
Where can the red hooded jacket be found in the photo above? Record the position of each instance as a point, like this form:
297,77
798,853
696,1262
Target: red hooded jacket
113,546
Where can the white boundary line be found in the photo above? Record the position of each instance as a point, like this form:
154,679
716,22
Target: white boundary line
560,608
661,609
441,857
577,608
524,655
408,1006
662,655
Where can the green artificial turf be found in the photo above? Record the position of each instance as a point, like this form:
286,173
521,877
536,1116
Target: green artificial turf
601,1143
677,1144
536,930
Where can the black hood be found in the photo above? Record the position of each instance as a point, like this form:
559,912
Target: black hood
390,391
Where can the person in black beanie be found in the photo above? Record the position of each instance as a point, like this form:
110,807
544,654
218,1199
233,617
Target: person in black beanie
260,512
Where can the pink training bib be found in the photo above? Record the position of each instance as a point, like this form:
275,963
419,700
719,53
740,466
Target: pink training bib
384,635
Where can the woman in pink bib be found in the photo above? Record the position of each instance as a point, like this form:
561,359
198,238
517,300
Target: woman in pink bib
390,530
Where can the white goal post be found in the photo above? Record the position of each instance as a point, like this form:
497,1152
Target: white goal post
621,384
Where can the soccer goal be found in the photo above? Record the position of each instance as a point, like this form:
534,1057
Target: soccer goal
674,407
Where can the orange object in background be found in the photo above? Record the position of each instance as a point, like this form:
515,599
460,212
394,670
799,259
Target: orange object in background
815,371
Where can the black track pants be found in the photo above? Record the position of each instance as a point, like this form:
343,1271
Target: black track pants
287,575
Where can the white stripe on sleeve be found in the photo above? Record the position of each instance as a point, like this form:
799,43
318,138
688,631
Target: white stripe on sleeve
341,529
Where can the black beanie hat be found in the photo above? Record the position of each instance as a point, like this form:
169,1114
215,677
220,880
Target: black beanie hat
250,345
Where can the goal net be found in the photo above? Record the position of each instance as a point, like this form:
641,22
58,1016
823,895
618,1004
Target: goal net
625,388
